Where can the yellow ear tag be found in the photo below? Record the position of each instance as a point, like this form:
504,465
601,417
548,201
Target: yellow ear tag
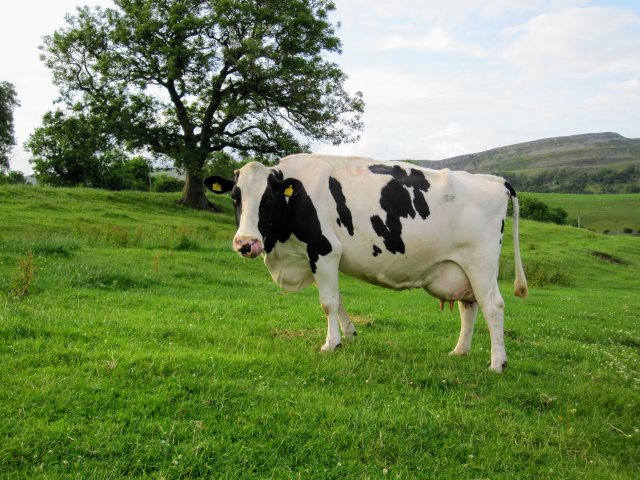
288,191
216,187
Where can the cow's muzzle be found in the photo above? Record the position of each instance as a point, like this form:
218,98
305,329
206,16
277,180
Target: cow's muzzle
247,247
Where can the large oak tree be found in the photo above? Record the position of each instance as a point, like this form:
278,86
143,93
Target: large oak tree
188,78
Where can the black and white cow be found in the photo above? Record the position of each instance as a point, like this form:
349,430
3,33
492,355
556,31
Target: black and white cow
388,223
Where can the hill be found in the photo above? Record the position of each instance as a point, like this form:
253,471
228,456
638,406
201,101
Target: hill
142,346
589,163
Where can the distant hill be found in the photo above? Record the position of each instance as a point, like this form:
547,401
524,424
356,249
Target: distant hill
589,163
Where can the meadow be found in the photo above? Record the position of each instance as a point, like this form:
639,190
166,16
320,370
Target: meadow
135,344
600,212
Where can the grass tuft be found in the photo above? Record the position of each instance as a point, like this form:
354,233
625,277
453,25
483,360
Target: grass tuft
57,245
105,277
541,275
23,278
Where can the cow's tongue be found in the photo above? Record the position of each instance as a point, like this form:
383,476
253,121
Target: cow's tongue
256,249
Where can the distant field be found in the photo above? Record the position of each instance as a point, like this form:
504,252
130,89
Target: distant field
598,212
145,348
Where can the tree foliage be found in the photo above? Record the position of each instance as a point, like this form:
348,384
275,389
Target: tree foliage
71,149
12,177
8,101
188,78
564,180
535,209
166,183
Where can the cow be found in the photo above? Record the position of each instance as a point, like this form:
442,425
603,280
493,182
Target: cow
391,224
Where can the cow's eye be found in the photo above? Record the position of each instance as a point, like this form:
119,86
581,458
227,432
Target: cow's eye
235,196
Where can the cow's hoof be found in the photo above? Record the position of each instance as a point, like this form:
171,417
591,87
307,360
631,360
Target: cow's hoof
330,348
458,352
498,368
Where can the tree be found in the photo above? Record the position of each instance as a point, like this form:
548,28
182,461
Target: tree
8,101
71,149
189,78
12,177
535,209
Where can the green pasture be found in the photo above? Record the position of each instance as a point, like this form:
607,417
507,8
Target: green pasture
135,344
600,212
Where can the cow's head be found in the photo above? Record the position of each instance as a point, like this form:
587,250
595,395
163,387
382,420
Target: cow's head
258,193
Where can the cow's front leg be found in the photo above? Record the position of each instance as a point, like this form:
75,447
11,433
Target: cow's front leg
468,313
326,280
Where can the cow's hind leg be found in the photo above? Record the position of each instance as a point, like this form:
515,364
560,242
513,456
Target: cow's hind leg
468,314
492,306
348,329
485,289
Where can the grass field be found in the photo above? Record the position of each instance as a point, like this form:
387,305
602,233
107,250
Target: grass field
598,212
135,343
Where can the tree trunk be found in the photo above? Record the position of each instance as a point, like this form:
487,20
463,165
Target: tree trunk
193,193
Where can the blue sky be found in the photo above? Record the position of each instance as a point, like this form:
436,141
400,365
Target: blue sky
440,78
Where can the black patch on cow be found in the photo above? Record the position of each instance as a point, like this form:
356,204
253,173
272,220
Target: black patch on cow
281,216
344,214
502,227
236,198
376,251
512,190
395,200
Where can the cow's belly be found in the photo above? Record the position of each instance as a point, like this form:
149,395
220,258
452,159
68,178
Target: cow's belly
442,279
448,281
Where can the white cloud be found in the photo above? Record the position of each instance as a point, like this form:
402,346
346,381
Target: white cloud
449,12
436,40
577,42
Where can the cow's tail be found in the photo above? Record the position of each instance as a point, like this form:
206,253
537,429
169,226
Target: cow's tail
520,283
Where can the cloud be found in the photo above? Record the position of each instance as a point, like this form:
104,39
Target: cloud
436,40
577,42
451,12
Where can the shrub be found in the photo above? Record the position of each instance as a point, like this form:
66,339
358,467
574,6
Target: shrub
535,209
166,183
12,177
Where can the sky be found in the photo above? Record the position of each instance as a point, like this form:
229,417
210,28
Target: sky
439,78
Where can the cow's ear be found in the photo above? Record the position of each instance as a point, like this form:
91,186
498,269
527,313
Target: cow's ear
218,184
291,187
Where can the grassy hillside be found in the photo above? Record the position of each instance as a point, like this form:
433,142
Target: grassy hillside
589,163
593,150
613,213
144,347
